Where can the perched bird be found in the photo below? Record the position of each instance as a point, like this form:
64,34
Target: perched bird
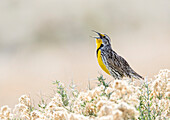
110,61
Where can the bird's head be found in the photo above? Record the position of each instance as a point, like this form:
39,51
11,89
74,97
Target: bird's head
102,39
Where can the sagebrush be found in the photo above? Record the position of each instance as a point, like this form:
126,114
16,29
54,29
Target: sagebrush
117,100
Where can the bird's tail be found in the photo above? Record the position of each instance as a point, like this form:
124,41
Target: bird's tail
136,75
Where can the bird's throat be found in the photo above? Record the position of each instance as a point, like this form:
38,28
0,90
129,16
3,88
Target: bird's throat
98,48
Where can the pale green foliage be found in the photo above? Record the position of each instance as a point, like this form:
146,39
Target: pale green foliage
61,90
117,100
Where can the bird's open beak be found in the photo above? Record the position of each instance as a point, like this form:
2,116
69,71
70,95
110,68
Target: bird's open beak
100,35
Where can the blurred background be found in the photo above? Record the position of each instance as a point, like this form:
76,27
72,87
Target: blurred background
46,40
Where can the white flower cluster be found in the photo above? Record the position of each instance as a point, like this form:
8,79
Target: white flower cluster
118,101
160,93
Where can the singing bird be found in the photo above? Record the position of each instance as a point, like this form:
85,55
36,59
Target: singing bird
112,63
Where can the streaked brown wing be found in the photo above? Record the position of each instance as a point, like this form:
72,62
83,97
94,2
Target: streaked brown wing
116,63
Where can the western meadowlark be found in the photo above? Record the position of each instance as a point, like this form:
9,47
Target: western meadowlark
110,61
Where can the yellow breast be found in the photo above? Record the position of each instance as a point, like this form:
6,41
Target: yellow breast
101,62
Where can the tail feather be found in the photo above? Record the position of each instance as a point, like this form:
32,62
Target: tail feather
136,75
